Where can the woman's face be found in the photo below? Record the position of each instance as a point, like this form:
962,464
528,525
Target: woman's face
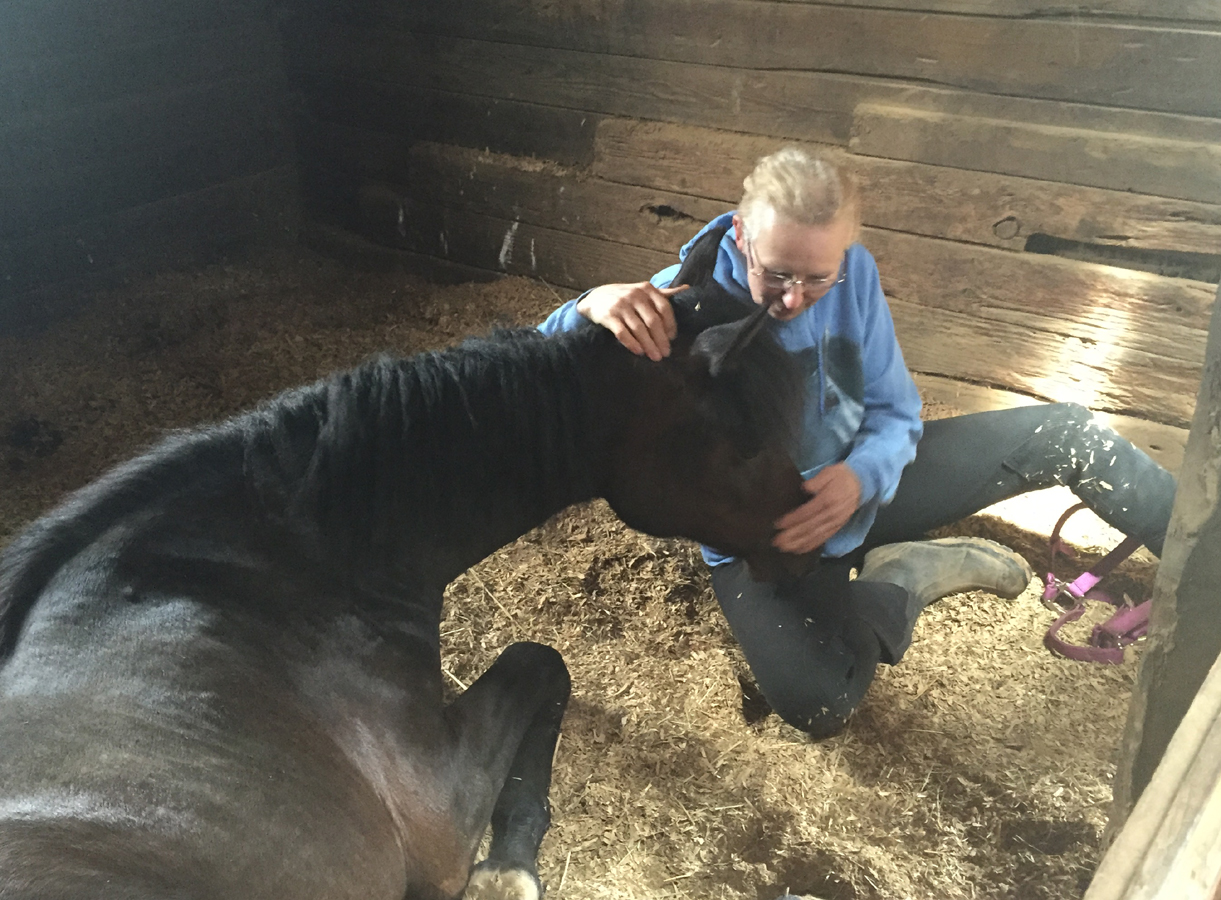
790,265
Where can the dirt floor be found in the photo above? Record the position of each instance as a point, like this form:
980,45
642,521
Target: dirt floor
979,767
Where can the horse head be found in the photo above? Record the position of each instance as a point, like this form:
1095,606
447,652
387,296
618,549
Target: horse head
710,452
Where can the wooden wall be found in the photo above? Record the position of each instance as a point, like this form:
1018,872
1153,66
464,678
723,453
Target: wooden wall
1009,149
135,133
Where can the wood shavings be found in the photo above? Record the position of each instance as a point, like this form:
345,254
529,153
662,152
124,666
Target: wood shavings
979,767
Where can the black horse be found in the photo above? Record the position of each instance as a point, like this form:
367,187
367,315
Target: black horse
221,675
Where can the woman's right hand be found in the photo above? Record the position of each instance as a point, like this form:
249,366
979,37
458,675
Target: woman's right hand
638,315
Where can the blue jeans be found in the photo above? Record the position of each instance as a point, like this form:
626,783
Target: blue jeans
814,645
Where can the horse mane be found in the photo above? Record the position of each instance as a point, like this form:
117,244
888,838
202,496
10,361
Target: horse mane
317,453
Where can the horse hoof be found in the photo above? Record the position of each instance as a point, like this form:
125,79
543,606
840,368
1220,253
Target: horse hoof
491,881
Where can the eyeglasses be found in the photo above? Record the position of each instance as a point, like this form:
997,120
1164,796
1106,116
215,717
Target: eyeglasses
780,283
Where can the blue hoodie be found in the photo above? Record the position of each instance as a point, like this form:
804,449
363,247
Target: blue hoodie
862,406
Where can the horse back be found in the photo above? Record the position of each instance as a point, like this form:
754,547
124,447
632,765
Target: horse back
198,698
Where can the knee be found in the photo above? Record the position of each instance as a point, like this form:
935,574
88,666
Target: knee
820,709
535,663
1067,416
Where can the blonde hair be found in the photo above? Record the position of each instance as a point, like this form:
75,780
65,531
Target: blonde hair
800,186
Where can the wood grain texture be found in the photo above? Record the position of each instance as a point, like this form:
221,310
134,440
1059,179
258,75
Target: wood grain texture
1166,790
507,126
397,219
1119,342
1164,443
936,201
512,188
1171,844
1090,61
1125,162
1171,10
812,106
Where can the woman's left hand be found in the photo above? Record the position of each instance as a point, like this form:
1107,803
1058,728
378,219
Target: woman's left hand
836,494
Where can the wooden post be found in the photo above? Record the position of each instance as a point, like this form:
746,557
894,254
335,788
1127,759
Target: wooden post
1185,624
1170,846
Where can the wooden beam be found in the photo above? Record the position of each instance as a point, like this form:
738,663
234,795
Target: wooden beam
1095,61
498,244
1167,808
1170,846
507,126
1164,443
1166,168
958,204
806,105
1117,341
1167,10
528,190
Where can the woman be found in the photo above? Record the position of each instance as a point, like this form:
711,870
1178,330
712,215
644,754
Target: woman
878,479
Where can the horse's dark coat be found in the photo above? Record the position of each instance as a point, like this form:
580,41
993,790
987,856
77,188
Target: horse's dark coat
221,673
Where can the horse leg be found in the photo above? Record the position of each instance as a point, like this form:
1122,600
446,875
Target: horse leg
508,723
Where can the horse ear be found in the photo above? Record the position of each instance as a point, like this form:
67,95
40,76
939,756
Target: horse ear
697,269
707,302
722,345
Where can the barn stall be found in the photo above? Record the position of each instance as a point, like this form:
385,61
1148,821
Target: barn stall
208,202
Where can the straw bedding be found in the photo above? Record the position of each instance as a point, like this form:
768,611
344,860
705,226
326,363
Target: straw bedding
979,767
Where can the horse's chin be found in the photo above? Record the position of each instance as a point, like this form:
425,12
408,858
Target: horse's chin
777,567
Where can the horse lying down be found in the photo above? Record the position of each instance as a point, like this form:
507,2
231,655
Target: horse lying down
221,675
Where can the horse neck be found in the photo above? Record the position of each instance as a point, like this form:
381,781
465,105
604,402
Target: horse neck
488,445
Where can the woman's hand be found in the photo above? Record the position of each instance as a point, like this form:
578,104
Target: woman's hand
638,315
836,494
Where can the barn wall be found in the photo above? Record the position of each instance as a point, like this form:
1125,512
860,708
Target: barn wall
1043,188
133,134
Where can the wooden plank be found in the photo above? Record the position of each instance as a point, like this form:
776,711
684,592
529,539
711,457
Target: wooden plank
194,228
36,29
1167,168
526,190
958,204
1096,61
1166,10
773,103
360,252
1113,340
1042,363
1171,845
805,105
89,162
1164,443
1171,750
1116,341
106,74
506,126
395,219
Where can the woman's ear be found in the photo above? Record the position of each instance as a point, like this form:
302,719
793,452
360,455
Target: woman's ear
739,232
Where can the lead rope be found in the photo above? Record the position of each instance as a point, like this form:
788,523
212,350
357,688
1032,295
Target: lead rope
1107,641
